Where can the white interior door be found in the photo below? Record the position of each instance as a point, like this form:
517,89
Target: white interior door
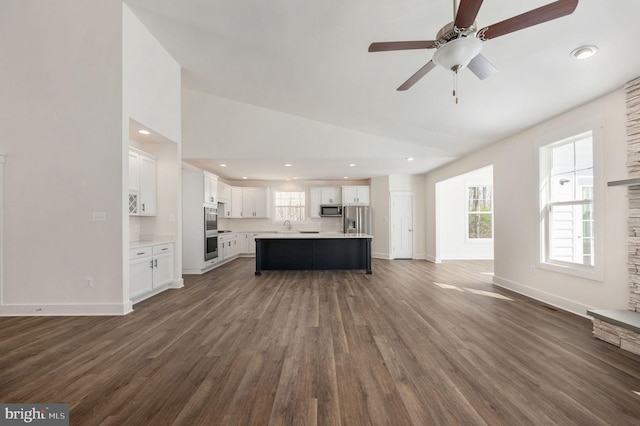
402,226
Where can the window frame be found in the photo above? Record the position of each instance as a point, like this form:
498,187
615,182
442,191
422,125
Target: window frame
467,213
594,272
303,208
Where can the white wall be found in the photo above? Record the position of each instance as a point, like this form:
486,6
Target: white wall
452,214
516,210
151,80
65,130
380,217
61,121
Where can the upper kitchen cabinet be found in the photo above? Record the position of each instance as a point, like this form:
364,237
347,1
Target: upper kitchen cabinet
210,189
235,211
355,195
224,193
142,183
255,202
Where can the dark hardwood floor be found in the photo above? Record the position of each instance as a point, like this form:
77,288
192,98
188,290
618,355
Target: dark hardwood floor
413,344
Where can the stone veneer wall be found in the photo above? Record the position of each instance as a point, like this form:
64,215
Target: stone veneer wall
632,90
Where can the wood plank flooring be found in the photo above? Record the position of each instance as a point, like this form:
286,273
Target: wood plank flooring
413,344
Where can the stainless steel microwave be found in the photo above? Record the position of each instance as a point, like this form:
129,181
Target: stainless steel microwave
330,210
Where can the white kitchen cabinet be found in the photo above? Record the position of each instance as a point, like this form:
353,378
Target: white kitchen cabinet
236,203
330,195
224,193
150,269
162,265
355,195
252,243
210,192
134,179
243,242
255,202
140,272
230,246
142,183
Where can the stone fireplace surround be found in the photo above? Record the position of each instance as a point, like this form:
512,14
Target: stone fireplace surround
622,328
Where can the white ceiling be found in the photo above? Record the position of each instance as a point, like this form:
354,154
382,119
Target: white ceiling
310,59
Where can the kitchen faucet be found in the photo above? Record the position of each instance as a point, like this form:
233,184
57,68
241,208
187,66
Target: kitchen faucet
285,224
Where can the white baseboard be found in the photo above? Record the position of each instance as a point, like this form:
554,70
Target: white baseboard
384,256
542,296
177,283
104,309
433,259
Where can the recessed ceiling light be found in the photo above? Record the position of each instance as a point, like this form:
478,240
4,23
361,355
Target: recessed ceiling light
295,177
288,165
346,177
352,165
223,165
409,159
144,132
244,177
584,52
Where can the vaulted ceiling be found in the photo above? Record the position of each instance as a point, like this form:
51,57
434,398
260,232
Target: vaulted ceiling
310,60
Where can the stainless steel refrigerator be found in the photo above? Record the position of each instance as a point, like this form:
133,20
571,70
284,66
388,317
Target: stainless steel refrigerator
356,220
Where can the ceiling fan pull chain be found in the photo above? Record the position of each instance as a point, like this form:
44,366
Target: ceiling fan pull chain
455,85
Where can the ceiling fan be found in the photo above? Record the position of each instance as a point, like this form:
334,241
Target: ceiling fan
458,44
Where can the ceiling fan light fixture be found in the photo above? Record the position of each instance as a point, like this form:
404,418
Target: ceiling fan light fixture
584,52
457,53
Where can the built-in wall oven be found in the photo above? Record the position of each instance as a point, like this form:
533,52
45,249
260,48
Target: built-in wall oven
210,233
210,247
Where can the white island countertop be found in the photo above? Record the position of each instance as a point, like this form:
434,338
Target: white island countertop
311,236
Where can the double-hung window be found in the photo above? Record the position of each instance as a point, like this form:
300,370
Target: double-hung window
479,212
290,206
567,203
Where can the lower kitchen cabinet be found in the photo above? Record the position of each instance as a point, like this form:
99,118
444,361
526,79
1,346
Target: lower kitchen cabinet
150,270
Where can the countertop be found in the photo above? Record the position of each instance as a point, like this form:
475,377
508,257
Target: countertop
311,236
150,242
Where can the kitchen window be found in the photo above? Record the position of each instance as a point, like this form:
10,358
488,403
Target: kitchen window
567,206
479,212
289,206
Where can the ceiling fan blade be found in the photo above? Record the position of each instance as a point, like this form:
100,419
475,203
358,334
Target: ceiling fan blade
401,45
533,17
467,12
417,76
481,67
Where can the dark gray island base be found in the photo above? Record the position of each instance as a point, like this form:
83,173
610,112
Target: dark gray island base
312,252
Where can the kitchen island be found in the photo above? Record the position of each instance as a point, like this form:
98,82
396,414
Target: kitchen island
313,251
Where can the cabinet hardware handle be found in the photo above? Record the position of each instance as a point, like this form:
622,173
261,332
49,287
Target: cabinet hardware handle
151,264
142,206
166,248
138,254
155,263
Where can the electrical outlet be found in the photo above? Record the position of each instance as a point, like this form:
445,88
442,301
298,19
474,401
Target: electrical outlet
89,281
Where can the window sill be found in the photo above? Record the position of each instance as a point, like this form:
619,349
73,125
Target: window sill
594,274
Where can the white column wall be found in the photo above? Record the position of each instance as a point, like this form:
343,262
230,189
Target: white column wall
152,97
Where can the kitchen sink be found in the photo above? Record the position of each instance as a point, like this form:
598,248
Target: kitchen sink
297,232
